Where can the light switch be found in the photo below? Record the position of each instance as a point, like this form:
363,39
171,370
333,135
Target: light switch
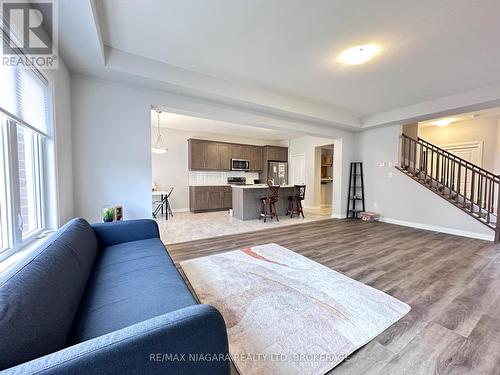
381,164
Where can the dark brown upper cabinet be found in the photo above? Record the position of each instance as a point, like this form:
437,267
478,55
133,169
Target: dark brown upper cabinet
224,156
212,160
197,154
256,159
275,153
216,156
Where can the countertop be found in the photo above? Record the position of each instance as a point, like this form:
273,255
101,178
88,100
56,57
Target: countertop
211,185
258,186
248,186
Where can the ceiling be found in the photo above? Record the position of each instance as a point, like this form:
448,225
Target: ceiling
201,125
431,48
272,64
460,117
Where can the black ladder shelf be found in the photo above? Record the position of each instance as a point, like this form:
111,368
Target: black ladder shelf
356,193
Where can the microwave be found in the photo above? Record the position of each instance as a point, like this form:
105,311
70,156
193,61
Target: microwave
240,165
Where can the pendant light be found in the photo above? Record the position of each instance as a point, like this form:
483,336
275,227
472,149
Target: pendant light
159,147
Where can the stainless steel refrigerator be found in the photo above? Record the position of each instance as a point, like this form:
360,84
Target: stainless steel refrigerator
277,173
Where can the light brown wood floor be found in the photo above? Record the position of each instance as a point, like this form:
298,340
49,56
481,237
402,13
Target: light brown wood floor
452,284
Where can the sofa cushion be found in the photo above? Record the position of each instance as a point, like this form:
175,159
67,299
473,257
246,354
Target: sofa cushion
39,297
131,282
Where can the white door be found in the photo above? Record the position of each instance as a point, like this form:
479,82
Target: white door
298,169
470,151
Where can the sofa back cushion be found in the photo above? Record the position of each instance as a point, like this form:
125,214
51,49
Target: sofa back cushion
39,296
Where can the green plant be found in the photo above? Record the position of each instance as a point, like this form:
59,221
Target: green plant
108,214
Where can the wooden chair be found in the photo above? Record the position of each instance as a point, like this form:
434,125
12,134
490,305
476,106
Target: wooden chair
295,201
268,204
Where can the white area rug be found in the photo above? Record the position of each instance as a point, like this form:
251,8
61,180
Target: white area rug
286,314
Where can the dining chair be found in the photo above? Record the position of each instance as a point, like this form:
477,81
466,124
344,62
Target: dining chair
163,203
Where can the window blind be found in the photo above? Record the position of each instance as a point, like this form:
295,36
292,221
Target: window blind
24,97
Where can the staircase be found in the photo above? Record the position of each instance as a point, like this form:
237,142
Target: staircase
469,187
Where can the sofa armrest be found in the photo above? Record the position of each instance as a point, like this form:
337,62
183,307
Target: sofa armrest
125,231
191,340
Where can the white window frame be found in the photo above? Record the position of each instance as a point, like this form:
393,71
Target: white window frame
13,200
8,137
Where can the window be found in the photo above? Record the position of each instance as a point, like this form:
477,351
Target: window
24,132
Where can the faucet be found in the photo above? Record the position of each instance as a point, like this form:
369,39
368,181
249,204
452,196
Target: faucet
271,181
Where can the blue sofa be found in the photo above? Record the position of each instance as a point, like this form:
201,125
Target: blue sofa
106,299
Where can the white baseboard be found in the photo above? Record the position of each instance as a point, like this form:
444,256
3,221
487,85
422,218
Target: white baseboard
434,228
339,216
180,210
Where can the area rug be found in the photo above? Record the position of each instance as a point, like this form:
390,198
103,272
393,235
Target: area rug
286,314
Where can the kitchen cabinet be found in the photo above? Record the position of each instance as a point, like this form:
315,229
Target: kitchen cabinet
197,154
272,153
216,156
212,159
256,159
227,199
276,153
224,157
208,155
210,198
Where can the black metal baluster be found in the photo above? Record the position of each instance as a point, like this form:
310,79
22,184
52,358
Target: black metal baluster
472,187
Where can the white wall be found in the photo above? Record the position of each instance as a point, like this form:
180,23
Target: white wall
482,129
401,200
111,148
497,154
171,168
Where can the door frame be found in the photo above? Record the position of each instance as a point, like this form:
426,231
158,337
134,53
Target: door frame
469,145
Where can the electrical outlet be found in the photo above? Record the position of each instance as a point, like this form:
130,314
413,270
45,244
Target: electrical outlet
375,204
390,174
381,164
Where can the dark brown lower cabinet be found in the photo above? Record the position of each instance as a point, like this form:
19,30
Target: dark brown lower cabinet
210,198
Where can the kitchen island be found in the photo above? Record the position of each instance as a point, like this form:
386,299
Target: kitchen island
246,200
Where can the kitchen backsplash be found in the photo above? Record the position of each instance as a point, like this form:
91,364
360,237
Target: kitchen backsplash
219,178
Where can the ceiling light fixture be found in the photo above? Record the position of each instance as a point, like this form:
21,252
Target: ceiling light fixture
444,122
159,147
359,54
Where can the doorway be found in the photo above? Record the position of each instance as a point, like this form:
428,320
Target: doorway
326,176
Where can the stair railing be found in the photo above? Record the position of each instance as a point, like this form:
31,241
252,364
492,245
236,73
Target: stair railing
473,188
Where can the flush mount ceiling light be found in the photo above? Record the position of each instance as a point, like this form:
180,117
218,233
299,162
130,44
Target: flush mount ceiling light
159,147
444,121
359,54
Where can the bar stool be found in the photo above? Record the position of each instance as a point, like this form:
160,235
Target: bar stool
295,200
268,204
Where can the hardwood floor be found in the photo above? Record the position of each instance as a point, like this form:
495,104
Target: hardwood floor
452,284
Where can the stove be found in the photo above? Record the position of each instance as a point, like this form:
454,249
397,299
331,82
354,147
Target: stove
236,180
